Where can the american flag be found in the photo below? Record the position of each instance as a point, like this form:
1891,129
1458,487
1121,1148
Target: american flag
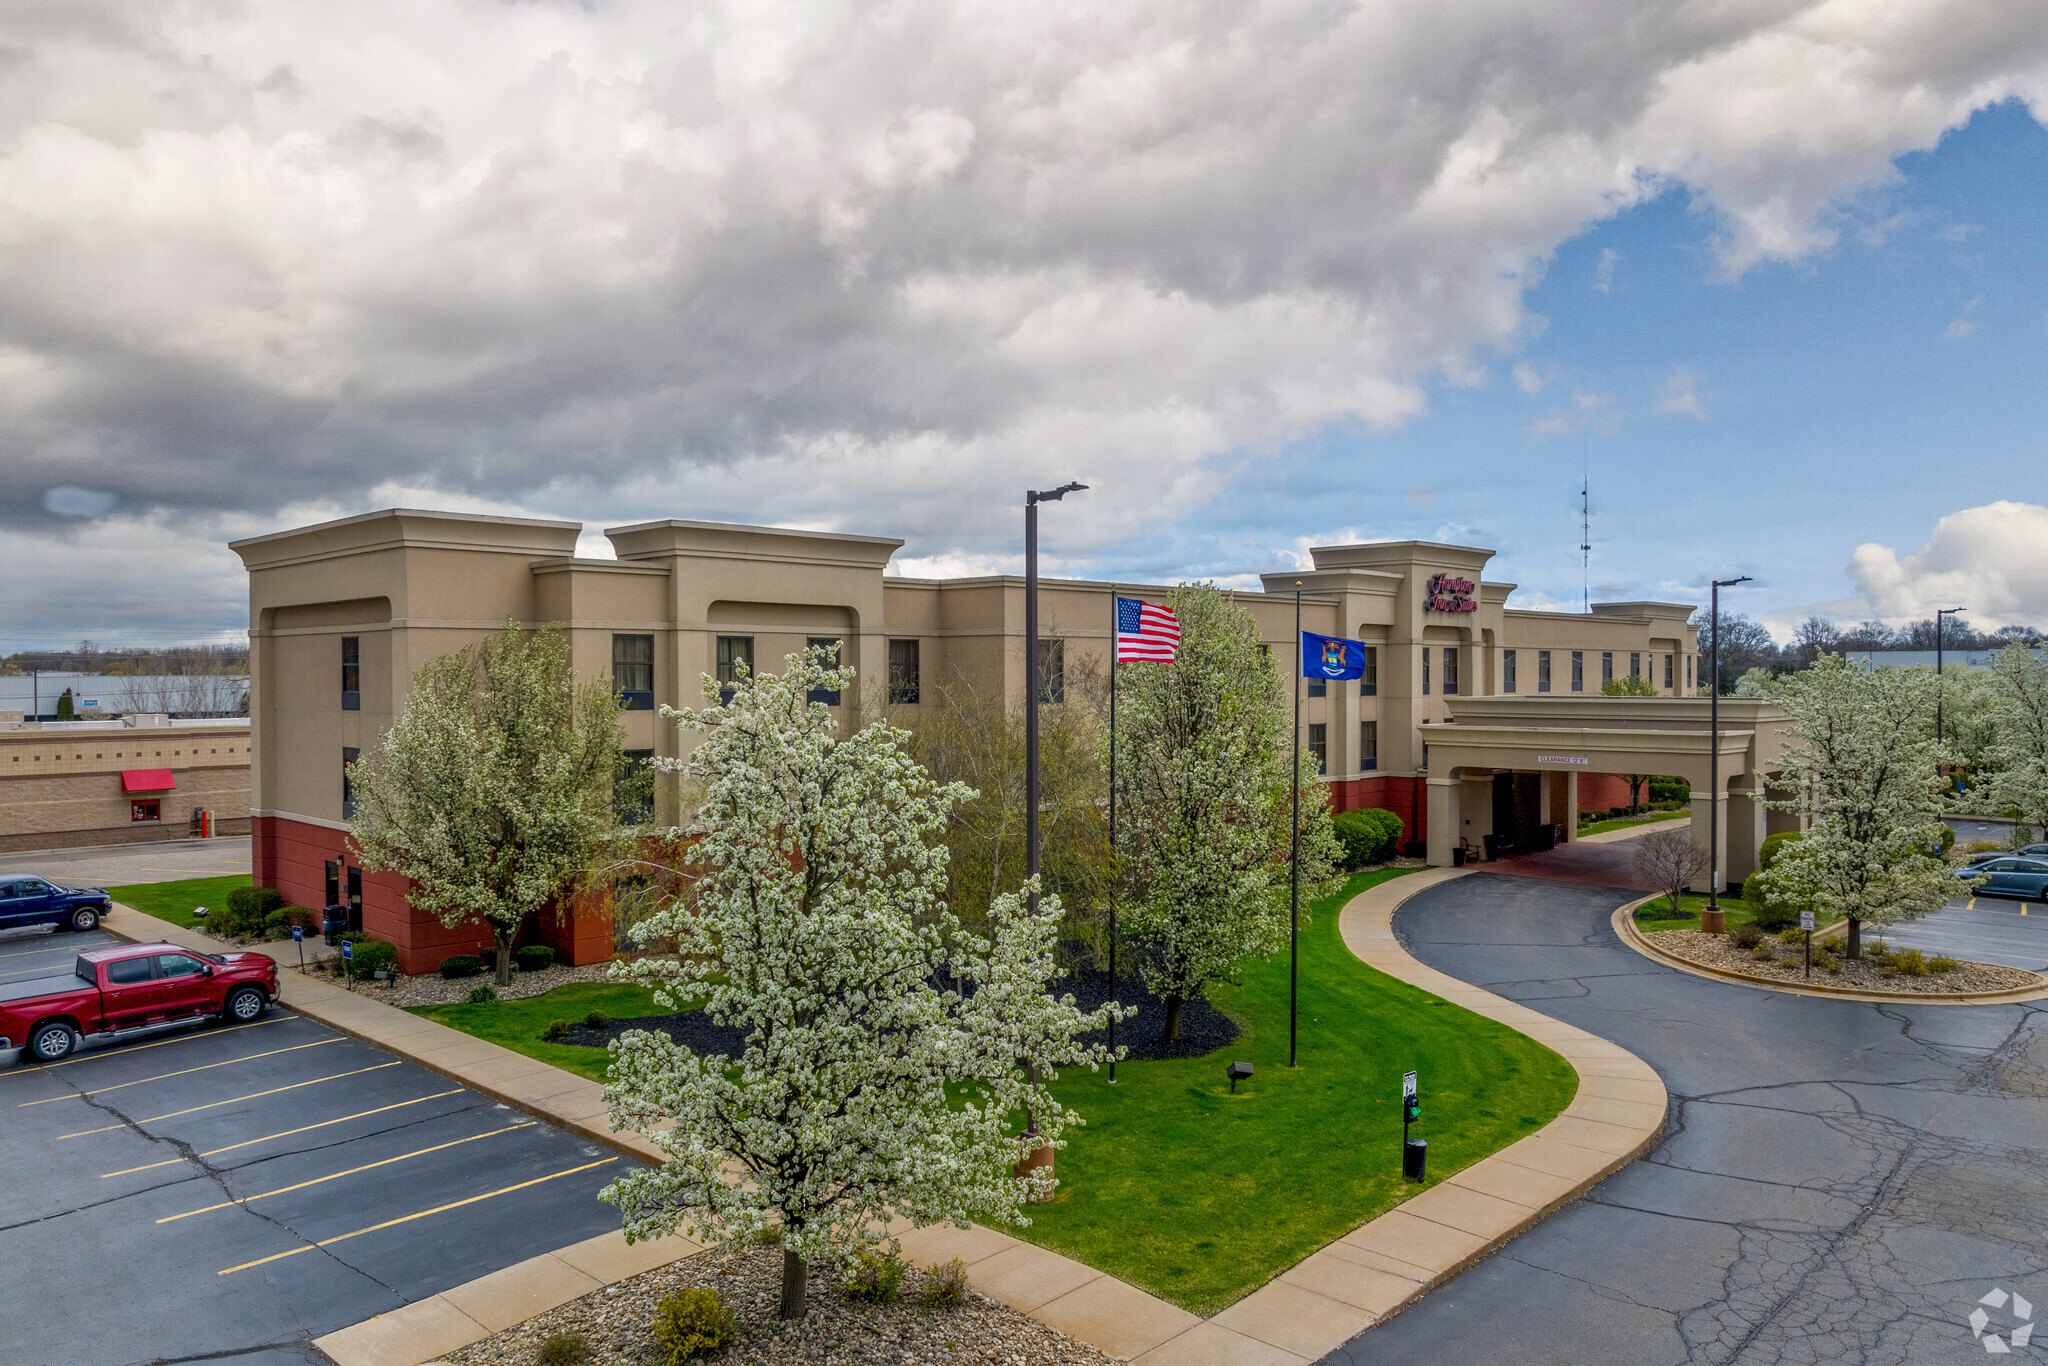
1145,632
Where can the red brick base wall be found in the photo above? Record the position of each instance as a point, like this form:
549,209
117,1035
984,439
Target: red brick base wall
1406,797
1603,791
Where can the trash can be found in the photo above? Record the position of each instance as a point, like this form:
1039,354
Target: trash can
1458,857
1491,843
1414,1158
333,920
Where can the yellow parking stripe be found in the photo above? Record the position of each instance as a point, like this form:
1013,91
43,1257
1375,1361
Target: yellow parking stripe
368,1166
253,1095
304,1128
408,1218
74,950
97,1054
182,1072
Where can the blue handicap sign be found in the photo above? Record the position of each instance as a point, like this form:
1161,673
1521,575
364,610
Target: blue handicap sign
298,934
348,950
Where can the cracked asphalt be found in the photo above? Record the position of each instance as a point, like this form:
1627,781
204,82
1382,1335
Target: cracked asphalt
230,1194
1839,1182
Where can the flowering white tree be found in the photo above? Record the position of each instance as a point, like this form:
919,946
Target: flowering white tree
1203,806
493,792
1863,769
2015,774
884,1045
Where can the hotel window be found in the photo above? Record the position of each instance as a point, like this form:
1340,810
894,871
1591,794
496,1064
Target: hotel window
1450,671
1052,671
1368,745
1425,758
1319,745
351,674
1369,681
348,791
1606,667
1578,670
633,672
1667,671
1689,684
1543,671
903,671
1635,665
1507,671
633,787
1319,687
829,696
1425,671
734,654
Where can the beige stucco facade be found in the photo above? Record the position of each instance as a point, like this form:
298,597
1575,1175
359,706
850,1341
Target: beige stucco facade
397,588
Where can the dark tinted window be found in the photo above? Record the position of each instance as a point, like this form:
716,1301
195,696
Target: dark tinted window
129,971
177,965
351,673
633,671
735,653
903,670
829,696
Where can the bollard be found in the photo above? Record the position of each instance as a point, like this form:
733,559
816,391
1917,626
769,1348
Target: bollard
1414,1158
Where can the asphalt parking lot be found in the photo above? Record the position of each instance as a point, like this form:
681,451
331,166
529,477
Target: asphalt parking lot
1984,929
234,1192
115,865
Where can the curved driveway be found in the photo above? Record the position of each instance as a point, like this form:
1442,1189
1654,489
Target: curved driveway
1839,1182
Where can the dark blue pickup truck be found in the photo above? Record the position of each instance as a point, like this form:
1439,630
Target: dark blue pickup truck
26,900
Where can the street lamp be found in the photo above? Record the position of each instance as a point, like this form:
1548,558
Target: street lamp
1711,919
1938,686
1031,670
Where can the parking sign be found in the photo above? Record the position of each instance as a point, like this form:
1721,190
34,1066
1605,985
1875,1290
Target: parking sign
298,934
1806,920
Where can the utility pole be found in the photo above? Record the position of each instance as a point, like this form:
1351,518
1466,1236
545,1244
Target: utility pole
1940,687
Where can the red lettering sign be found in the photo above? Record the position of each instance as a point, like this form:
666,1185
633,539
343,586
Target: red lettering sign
1449,593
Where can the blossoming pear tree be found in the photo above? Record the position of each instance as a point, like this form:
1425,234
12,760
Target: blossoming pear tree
2016,762
883,1070
1204,802
492,792
1862,766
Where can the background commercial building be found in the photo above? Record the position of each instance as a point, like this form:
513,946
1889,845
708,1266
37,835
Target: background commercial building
112,782
342,614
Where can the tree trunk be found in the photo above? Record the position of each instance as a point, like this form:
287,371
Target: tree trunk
504,961
1172,1029
1855,938
796,1275
1677,906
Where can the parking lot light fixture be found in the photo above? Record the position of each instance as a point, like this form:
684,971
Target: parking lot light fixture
1711,919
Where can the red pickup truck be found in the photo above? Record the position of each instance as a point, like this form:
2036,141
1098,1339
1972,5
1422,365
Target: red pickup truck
132,988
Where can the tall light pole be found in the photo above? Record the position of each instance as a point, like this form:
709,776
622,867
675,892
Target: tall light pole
1033,681
1938,685
1711,918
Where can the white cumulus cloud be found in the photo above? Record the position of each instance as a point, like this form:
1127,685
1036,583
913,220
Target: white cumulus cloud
1992,560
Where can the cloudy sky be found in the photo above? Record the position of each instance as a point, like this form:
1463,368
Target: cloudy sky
1265,274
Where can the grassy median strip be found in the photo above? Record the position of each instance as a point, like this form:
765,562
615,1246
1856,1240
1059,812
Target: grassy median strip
1735,911
1200,1196
173,901
1624,822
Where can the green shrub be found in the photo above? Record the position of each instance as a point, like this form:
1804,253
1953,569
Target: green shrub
1879,952
945,1287
1763,952
1827,963
1670,790
246,910
1368,837
278,924
533,957
1794,936
1973,847
481,996
1747,936
768,1235
565,1349
372,956
1907,963
691,1323
1942,964
873,1278
555,1030
461,965
597,1019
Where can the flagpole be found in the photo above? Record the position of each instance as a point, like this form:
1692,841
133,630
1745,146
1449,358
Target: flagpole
1294,854
1115,872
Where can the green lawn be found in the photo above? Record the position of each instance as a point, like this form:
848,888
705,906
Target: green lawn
1735,912
1201,1197
517,1024
173,901
1624,822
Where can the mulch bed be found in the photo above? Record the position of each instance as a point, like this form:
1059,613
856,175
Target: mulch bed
1787,964
614,1322
1203,1028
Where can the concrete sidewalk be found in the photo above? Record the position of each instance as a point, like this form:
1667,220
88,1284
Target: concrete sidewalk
1308,1310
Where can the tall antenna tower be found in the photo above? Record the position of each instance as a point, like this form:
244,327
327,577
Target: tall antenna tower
1586,523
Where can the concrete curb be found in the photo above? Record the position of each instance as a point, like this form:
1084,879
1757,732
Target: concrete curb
1625,927
1306,1311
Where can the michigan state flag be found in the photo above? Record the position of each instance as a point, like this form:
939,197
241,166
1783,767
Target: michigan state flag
1331,656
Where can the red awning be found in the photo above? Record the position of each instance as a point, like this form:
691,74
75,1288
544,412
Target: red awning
148,780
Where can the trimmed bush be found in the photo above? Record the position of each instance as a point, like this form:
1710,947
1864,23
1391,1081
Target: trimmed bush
565,1349
691,1323
278,924
873,1278
555,1030
461,965
1907,963
1747,936
1368,836
597,1019
945,1287
1670,790
533,957
246,910
372,956
1941,964
483,996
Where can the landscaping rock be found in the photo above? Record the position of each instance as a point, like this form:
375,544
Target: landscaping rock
615,1321
1858,974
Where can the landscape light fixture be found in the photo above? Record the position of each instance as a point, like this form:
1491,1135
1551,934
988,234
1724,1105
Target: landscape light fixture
1237,1072
1711,919
1939,686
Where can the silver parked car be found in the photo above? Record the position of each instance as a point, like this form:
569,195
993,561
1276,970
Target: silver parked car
2011,875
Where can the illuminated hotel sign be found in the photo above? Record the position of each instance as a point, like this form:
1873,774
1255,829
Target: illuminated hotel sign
1449,593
